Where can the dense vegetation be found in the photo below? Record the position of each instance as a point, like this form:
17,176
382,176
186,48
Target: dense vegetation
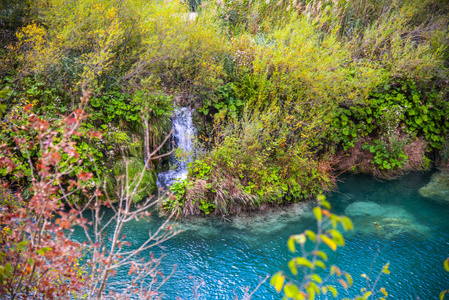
285,93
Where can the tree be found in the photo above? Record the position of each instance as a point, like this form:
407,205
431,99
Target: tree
38,258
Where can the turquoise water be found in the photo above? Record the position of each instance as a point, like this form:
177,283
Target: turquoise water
229,254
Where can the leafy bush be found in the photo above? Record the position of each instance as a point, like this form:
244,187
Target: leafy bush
310,274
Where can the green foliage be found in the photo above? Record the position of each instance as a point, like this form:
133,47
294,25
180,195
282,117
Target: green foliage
389,156
25,152
126,175
392,117
254,165
223,102
174,201
310,275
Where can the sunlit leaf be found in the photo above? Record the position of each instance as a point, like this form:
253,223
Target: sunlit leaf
292,267
329,242
299,238
346,223
442,294
320,264
277,281
385,269
367,294
446,264
311,235
316,278
326,204
291,290
349,278
335,270
311,292
317,213
333,290
337,237
291,245
303,262
322,254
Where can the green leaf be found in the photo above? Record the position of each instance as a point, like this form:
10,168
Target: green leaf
346,223
311,292
311,235
22,245
316,278
43,250
322,254
326,204
442,294
349,278
317,213
7,268
292,267
320,264
333,290
291,290
418,121
337,237
303,262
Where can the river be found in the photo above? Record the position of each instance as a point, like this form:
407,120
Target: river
228,254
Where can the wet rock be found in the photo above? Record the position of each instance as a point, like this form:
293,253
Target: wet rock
363,208
388,221
438,188
272,219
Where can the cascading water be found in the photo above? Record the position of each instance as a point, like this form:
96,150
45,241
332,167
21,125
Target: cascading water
183,131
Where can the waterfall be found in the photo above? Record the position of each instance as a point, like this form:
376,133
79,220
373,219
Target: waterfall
183,131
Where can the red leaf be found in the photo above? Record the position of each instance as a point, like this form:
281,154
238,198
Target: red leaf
85,176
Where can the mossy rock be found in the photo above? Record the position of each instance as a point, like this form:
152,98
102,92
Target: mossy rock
438,188
147,186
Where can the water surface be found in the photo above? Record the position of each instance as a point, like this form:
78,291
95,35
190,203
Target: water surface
229,254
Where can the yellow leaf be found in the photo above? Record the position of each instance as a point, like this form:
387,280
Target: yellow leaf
291,245
333,290
329,242
384,291
367,294
277,281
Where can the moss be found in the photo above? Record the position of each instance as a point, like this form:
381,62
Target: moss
147,186
438,188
